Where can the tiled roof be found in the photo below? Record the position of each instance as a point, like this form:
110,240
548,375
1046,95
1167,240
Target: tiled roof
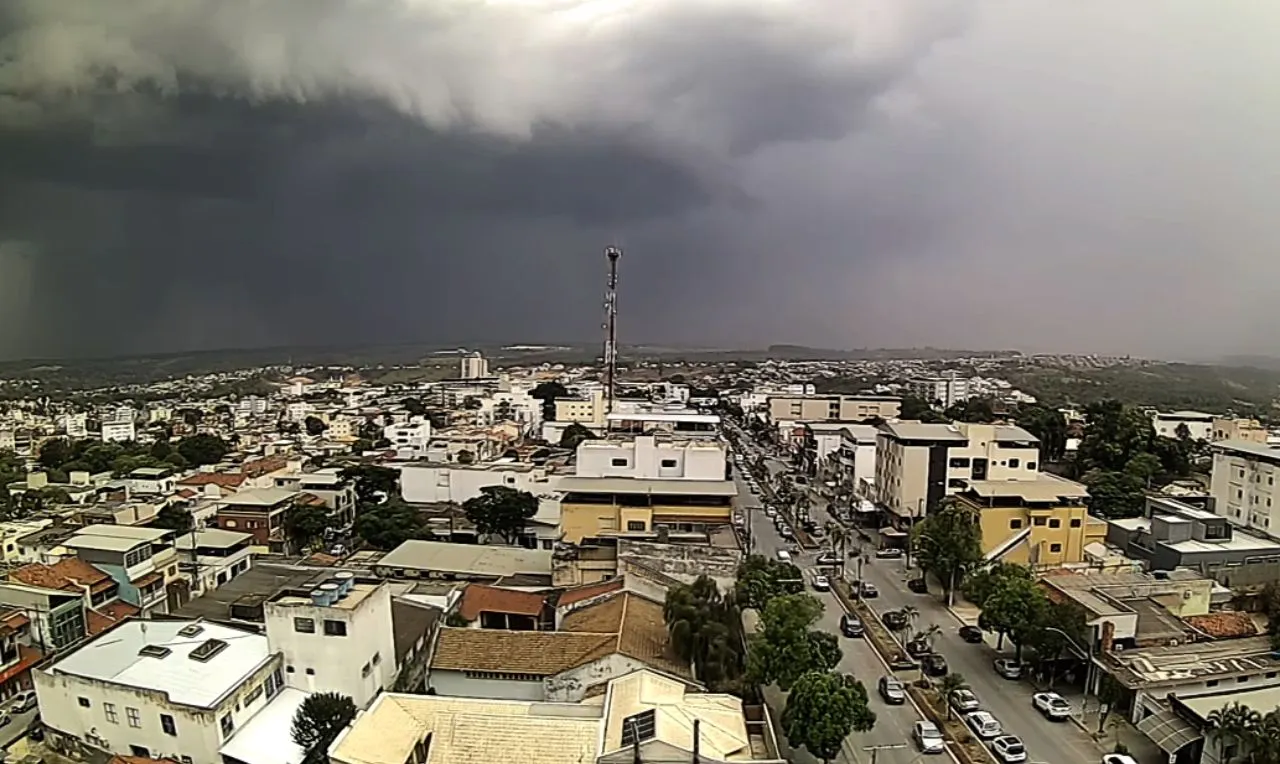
1224,625
221,479
263,466
641,630
100,619
478,598
586,592
69,575
540,653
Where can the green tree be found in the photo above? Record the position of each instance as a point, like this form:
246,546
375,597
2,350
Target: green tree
174,518
304,524
574,434
1050,426
1113,435
1062,626
705,629
1016,609
54,453
787,646
318,722
1115,495
1144,466
388,525
466,457
822,710
977,410
414,406
361,445
160,450
914,407
950,683
1233,723
548,392
948,543
203,448
501,510
372,483
760,579
979,587
314,426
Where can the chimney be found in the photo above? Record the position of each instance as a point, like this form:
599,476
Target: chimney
696,759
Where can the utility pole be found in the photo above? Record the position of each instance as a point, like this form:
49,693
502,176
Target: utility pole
876,749
611,327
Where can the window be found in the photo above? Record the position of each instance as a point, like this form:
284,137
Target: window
957,483
1031,465
304,625
185,759
960,461
1075,522
166,724
377,658
289,669
1013,463
228,725
1039,521
84,702
366,670
668,463
635,525
638,728
1015,524
254,694
335,628
618,462
135,718
109,710
311,672
1055,547
208,649
1055,523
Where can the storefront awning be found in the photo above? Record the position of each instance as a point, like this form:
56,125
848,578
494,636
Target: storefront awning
1169,731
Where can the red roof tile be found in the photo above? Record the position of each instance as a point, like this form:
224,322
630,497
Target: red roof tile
220,479
478,598
103,618
69,575
1224,625
586,592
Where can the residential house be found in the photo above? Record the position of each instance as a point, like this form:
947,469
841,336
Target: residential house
832,408
141,560
259,512
17,657
654,457
103,607
211,557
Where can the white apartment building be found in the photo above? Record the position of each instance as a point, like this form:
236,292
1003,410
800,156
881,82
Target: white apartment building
211,557
337,637
1243,485
119,431
153,481
946,390
670,392
251,406
653,457
297,411
835,450
409,439
918,464
74,425
474,366
438,483
171,689
833,408
1198,423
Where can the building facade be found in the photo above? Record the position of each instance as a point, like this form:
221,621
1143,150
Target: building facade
944,392
667,457
1042,522
439,483
1198,424
594,507
1243,485
833,408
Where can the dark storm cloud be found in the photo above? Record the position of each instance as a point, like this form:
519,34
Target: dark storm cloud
202,173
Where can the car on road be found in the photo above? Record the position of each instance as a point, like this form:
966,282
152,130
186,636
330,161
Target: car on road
892,691
1008,668
964,701
928,737
821,584
918,585
971,634
918,648
889,553
828,560
770,512
22,702
867,591
935,665
1008,749
1118,758
894,620
851,625
1052,705
983,724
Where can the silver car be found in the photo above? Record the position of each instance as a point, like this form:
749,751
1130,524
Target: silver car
928,738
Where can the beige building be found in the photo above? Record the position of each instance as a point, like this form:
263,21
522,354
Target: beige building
1247,430
587,411
832,408
918,464
1243,485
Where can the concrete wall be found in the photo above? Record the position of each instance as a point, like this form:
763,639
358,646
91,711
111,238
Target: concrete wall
458,684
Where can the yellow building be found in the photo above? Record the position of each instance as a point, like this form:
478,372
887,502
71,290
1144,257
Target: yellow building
1042,522
616,506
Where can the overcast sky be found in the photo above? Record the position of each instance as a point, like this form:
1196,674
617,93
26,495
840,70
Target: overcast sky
1038,174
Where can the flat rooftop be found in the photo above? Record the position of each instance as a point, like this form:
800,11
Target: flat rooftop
358,594
259,497
1248,449
211,537
475,559
1196,662
1043,488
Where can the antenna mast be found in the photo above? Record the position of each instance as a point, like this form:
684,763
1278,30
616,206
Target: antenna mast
611,327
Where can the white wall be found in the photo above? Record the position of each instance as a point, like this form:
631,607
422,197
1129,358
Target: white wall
572,685
421,483
456,684
118,431
409,439
646,457
337,662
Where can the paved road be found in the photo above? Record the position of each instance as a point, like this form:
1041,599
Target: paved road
16,728
893,723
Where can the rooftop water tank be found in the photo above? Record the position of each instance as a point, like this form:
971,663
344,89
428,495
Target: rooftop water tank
324,595
345,579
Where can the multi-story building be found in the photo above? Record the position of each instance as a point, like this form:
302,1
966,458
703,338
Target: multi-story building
1043,521
1243,485
592,507
588,410
456,483
259,512
8,439
75,425
409,439
1198,424
833,408
1231,428
658,457
158,689
943,391
122,430
211,557
154,481
474,366
840,451
142,561
40,590
918,464
328,485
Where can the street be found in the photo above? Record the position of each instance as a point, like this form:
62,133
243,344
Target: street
16,728
893,723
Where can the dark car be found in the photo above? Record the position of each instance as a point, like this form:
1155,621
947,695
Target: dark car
851,625
918,648
894,620
892,691
890,553
935,665
971,634
918,585
900,662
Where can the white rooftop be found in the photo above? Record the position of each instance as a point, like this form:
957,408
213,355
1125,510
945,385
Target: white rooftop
260,497
114,658
267,737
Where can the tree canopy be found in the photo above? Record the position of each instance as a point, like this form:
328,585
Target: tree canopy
318,721
786,646
705,628
948,543
501,510
822,710
305,524
574,434
760,579
173,518
388,525
372,483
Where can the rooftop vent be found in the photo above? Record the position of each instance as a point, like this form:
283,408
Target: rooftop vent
154,651
191,630
207,650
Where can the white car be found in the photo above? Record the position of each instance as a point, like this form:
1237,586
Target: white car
984,725
770,512
1118,758
821,584
1008,749
1052,705
928,737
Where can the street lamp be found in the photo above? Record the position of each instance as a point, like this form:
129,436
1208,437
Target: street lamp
1087,655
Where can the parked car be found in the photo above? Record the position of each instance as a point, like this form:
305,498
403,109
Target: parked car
971,634
918,648
770,512
1008,749
867,591
935,665
900,662
821,584
894,620
892,691
984,725
918,585
22,702
1008,668
851,625
889,553
928,737
1052,705
964,701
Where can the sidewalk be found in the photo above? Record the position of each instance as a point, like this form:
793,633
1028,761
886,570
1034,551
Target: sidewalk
1116,729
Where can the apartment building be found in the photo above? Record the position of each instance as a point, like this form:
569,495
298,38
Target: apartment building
142,561
211,557
918,464
592,507
120,431
832,408
1042,521
1243,485
75,426
588,410
409,439
474,366
666,456
1199,424
943,391
456,483
327,485
257,512
1232,428
840,451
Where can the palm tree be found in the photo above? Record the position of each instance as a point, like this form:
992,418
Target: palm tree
949,684
912,613
931,633
1237,724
